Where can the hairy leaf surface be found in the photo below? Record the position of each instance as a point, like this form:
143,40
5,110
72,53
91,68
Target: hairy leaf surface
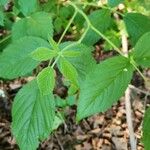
137,25
27,7
83,63
1,18
3,2
33,116
43,54
114,3
146,130
16,59
46,80
141,53
104,86
69,71
38,24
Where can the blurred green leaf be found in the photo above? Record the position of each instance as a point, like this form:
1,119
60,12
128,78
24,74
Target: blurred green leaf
46,80
136,25
32,116
43,54
38,24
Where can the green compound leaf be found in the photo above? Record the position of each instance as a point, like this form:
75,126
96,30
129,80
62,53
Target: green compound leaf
101,20
43,54
137,25
3,2
146,130
38,24
104,86
114,3
46,80
141,53
83,63
71,53
53,44
27,7
33,116
16,59
69,71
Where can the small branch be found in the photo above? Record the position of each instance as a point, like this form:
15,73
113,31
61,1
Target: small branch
99,6
139,90
61,146
105,38
127,99
129,119
67,27
84,34
124,45
57,58
4,39
94,29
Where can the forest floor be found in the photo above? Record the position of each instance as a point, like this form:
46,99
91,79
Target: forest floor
104,131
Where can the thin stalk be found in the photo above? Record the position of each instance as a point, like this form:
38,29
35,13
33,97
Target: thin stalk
139,90
99,6
105,38
84,34
57,58
128,99
129,119
141,74
94,29
67,27
4,39
80,11
73,44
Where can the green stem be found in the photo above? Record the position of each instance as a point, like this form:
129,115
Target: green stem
135,66
96,5
105,38
67,27
4,39
57,58
94,29
84,34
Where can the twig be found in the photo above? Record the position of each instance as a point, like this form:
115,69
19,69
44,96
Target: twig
61,146
4,39
67,27
127,100
93,28
129,119
139,90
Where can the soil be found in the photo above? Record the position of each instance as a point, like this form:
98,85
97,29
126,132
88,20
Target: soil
103,131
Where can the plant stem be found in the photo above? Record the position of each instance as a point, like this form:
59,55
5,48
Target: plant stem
94,29
68,25
127,99
99,6
104,37
84,34
4,39
129,119
141,74
72,44
63,34
57,58
139,90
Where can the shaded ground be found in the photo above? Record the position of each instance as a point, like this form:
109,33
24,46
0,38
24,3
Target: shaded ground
105,131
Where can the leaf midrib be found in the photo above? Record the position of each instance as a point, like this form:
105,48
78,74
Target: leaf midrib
103,90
